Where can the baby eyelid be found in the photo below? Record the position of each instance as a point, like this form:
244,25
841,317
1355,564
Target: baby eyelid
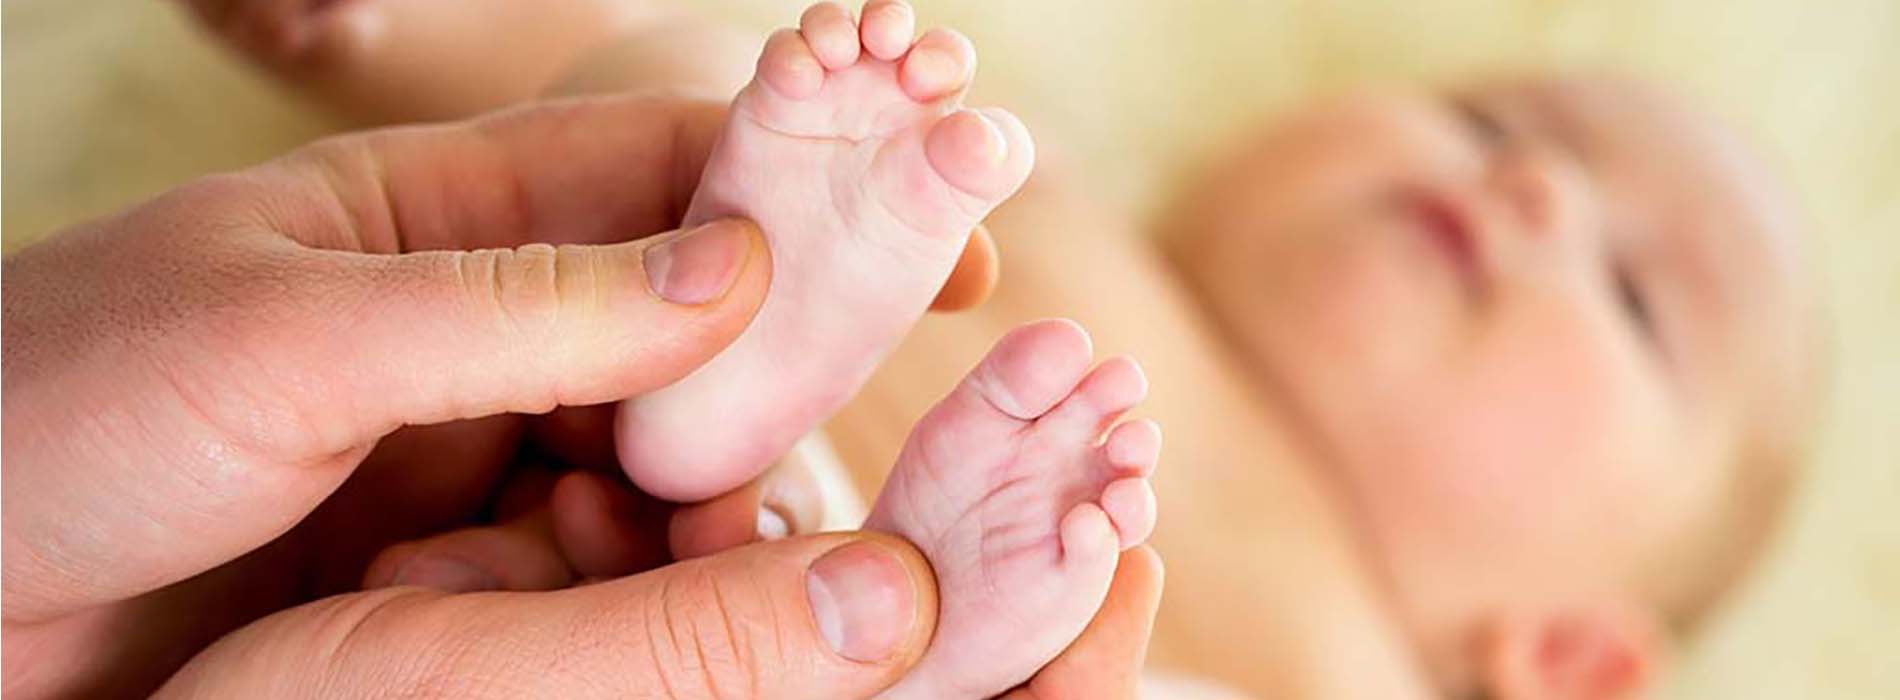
1630,295
1485,127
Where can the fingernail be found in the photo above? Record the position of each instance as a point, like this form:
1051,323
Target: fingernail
698,266
863,601
443,573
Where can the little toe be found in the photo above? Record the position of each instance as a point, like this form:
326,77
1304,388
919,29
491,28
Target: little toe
1134,447
1103,396
1032,368
788,67
1089,541
832,34
940,64
1130,505
986,154
886,27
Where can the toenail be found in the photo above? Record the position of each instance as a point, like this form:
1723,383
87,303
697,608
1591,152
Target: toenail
698,266
863,601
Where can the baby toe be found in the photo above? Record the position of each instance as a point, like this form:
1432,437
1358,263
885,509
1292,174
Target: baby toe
828,28
1130,505
1032,368
789,67
939,65
1103,396
1134,447
986,154
1089,541
886,26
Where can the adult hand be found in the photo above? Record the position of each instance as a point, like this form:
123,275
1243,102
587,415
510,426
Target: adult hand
524,552
206,400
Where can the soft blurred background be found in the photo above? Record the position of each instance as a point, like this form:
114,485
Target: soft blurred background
110,102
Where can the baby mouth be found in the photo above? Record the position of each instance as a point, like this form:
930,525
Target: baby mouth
1450,230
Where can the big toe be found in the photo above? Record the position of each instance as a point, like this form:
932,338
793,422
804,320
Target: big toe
1109,391
986,154
1032,368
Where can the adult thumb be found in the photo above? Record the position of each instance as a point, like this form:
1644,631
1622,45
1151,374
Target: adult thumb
835,617
463,334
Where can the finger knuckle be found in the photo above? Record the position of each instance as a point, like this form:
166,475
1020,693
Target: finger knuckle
519,288
702,645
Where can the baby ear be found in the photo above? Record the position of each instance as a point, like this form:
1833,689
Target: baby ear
1573,653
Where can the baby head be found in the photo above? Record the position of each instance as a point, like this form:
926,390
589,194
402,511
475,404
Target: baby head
1552,337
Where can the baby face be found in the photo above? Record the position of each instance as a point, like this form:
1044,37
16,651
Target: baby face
1531,328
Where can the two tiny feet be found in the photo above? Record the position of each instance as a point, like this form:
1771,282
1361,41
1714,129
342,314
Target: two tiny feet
853,152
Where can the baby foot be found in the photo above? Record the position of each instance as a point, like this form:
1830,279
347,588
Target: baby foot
1021,507
851,150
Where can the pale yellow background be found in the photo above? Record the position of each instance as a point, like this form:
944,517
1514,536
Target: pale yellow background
108,102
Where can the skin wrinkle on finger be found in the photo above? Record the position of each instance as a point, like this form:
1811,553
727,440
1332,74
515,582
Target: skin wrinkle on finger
704,657
657,623
749,668
519,289
696,645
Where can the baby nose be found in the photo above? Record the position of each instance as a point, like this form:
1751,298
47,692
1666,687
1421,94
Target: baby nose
1546,195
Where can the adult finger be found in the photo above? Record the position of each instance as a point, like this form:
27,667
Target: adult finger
828,616
517,555
596,526
974,278
582,170
786,500
606,529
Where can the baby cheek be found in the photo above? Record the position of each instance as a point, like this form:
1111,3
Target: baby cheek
1540,446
